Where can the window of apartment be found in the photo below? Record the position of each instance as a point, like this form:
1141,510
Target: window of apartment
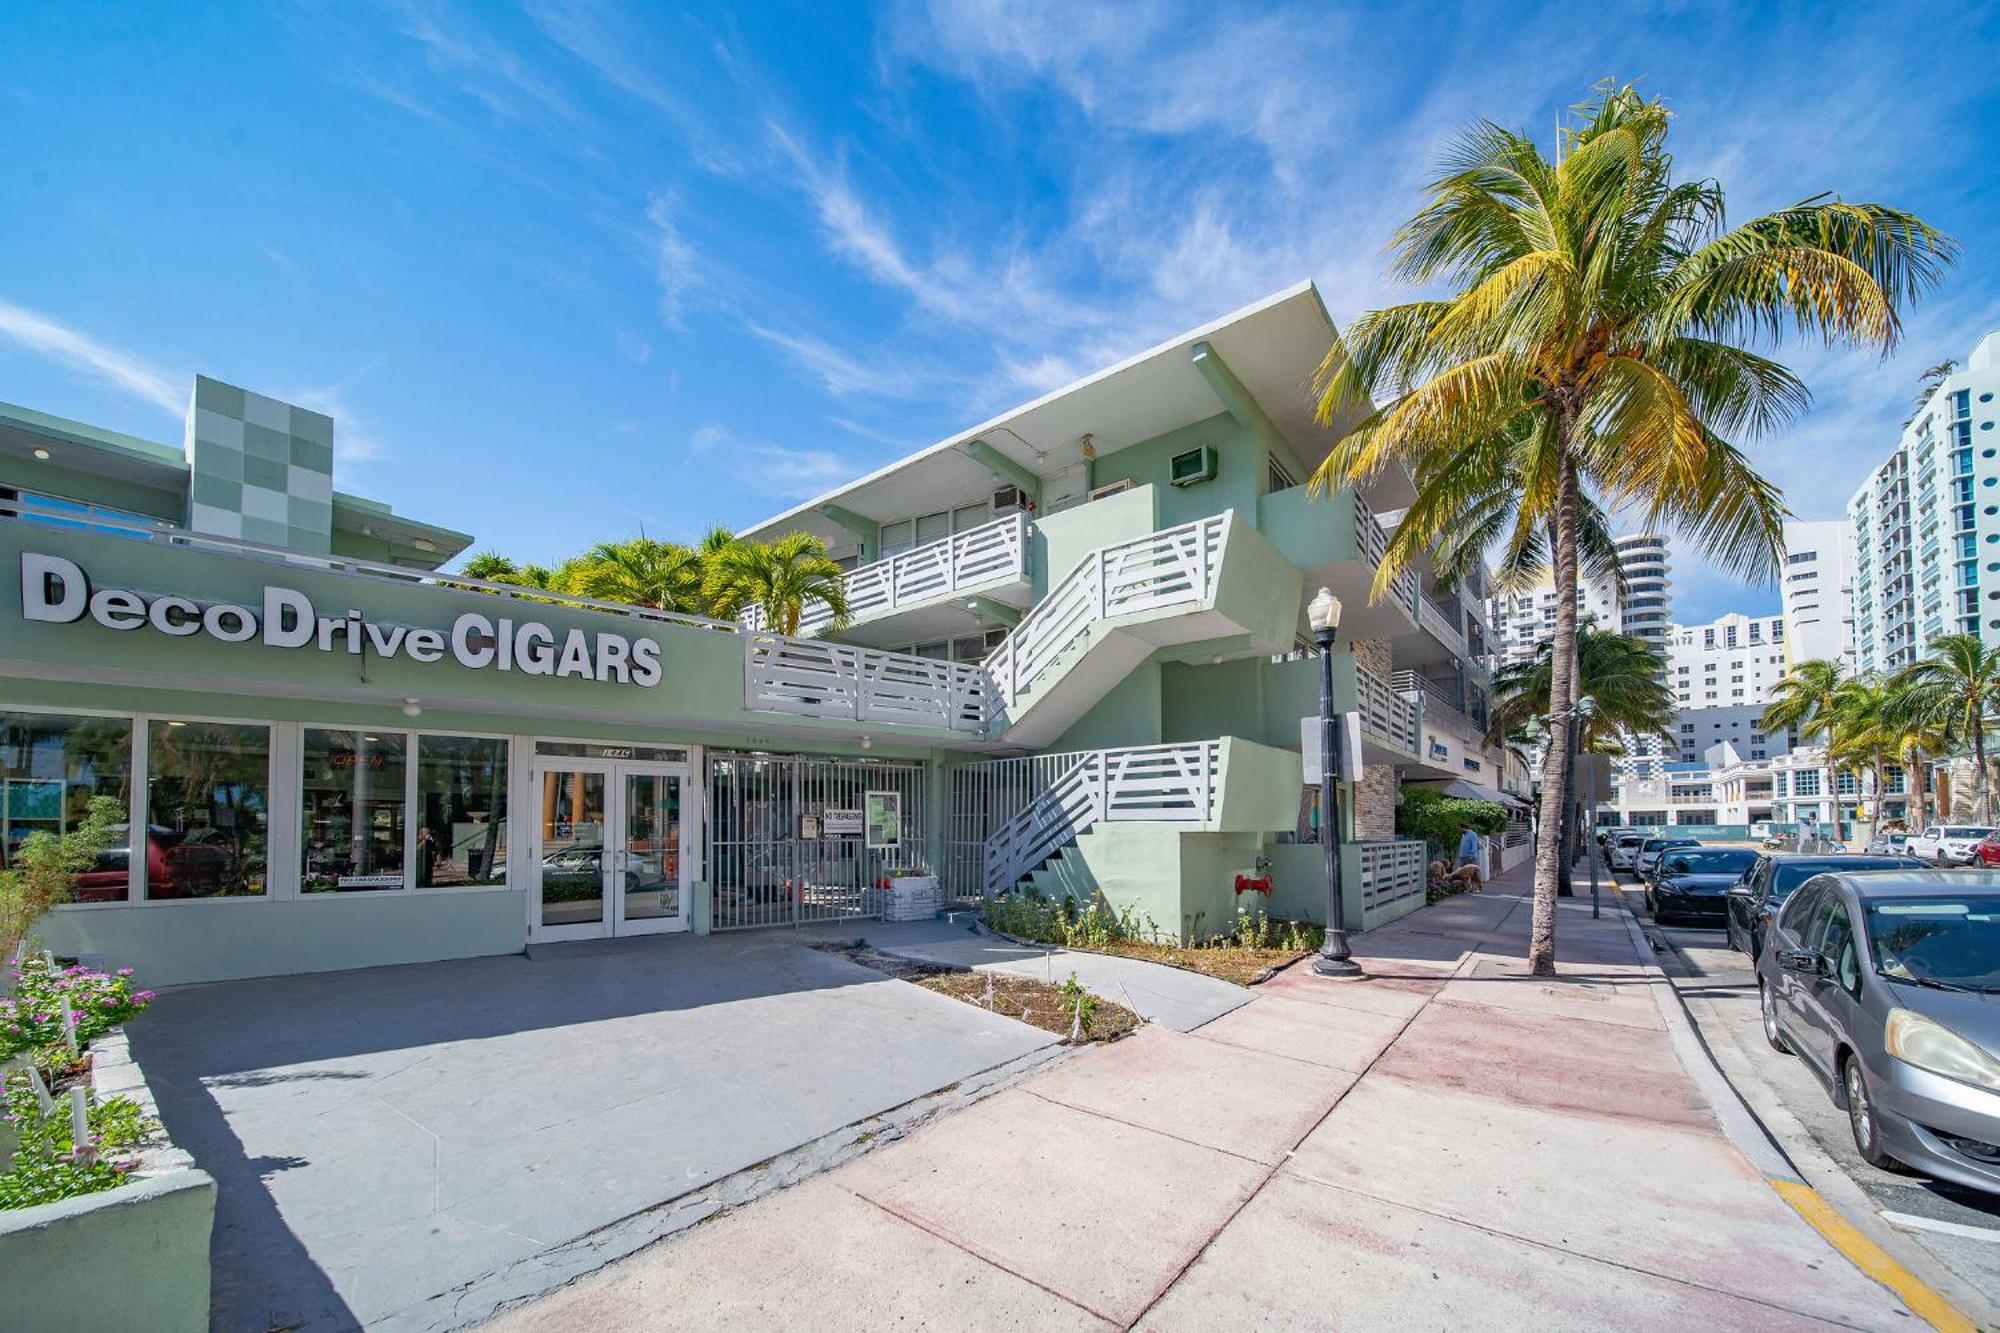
1756,633
208,787
1708,638
51,765
1729,636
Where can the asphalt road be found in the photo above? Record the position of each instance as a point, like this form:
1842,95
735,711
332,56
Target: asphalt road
1959,1228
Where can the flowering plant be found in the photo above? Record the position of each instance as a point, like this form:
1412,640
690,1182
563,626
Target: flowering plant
47,1165
31,1018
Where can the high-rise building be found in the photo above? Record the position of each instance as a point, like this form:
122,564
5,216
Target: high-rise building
1522,620
1924,522
1817,585
1721,674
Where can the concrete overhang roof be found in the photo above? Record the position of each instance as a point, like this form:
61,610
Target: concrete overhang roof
1273,346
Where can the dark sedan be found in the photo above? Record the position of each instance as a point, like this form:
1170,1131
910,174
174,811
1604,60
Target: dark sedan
1693,883
1752,903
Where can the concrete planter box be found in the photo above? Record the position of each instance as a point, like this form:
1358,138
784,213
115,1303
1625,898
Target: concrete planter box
131,1257
909,898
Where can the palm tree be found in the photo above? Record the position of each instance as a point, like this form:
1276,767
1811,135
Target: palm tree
779,578
1861,738
1927,384
1807,699
643,571
489,565
1956,692
1618,672
1915,744
1590,344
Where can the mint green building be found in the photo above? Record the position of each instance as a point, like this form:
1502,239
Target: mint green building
1076,662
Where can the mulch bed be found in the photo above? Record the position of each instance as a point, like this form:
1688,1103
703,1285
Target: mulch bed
1231,963
1033,1002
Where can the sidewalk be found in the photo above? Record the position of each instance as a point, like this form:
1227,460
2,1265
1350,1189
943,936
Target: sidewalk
1450,1144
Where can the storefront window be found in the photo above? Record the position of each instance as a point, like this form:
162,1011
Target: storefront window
51,764
462,806
207,808
352,835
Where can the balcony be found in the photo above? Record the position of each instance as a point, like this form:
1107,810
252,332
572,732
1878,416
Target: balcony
990,560
1338,542
1387,716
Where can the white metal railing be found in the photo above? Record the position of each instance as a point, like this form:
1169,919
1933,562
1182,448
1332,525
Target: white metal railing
1176,567
990,553
1385,714
1374,543
1436,701
1392,871
1440,625
32,510
813,678
1165,783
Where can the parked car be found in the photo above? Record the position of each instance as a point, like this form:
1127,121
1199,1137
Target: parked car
1948,844
1883,985
1766,886
1693,883
1623,853
1650,850
1888,844
1607,836
1988,851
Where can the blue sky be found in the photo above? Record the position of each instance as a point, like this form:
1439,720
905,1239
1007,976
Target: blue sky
563,272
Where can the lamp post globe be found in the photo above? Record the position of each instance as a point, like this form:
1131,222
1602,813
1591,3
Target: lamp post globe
1333,960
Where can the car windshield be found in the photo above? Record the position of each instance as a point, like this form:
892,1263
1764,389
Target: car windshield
1952,940
1967,832
1791,874
1711,861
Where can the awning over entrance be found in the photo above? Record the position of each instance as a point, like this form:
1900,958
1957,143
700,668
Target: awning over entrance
1472,791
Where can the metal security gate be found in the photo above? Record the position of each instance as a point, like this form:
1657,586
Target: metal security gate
983,796
766,867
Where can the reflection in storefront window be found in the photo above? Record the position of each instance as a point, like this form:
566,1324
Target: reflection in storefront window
352,835
207,804
51,764
462,806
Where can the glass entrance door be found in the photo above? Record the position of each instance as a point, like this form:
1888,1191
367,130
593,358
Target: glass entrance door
614,848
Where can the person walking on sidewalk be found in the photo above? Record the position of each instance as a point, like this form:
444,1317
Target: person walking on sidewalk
1468,855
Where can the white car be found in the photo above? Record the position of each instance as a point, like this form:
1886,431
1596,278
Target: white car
1652,849
1948,844
1623,851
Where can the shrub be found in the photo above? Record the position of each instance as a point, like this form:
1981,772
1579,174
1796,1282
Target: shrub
46,865
1422,812
45,1166
31,1018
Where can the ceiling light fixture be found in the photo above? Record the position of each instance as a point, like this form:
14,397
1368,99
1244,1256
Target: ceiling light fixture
42,454
411,708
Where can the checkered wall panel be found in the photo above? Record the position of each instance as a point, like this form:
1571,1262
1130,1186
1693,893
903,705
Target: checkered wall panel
259,469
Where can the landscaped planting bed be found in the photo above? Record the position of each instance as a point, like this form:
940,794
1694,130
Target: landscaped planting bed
1255,947
1053,1008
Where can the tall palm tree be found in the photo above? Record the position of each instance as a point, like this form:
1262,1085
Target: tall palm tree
779,577
1590,343
489,565
1861,737
643,571
1806,699
1956,691
1915,745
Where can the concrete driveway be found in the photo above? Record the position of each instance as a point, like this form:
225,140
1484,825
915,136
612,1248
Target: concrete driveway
405,1147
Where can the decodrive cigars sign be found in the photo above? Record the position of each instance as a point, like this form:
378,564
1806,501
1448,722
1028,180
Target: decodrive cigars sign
57,591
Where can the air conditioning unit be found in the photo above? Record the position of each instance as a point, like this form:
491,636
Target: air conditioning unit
1192,467
1008,500
1113,488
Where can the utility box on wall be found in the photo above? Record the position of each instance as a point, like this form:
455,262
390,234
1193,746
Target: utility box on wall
1192,467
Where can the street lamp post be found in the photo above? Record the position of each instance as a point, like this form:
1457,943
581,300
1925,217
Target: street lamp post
1333,959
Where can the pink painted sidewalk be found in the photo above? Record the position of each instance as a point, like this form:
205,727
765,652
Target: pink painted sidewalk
1451,1144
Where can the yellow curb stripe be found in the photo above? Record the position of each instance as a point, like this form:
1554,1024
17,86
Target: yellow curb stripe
1872,1259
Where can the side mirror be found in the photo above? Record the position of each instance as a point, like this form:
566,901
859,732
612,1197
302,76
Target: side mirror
1802,961
1740,889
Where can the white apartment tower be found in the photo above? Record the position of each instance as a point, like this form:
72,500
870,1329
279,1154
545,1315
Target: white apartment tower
1522,620
1816,585
1927,524
1721,674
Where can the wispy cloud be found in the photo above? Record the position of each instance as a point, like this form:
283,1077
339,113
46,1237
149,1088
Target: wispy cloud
676,270
481,67
776,470
127,372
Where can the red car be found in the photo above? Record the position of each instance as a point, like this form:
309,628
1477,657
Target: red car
1987,853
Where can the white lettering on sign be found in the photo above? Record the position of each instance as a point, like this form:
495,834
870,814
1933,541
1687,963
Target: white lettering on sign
56,591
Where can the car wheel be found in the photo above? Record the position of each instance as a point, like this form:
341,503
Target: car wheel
1861,1117
1769,1004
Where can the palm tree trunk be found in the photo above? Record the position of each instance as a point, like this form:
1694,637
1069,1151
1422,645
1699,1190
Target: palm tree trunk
1985,778
1913,765
1555,760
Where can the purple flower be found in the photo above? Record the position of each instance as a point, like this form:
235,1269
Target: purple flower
124,971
